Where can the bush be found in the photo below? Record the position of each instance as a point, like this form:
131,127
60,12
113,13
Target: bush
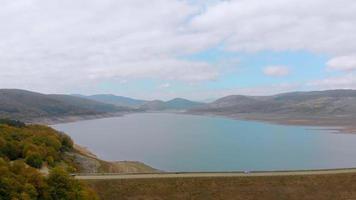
66,141
62,186
11,150
34,160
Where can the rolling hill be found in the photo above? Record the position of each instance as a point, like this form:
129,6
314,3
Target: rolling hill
26,105
115,100
315,103
174,104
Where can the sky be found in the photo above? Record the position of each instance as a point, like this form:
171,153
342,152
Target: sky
161,49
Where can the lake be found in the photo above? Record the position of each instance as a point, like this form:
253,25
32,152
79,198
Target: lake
177,142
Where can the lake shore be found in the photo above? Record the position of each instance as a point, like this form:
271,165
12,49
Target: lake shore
335,124
339,124
75,118
88,162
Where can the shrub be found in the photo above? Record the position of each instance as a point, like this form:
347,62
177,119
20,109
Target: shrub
66,141
11,150
34,160
62,186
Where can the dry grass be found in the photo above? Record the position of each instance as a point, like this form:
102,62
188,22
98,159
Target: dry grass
125,167
306,187
87,162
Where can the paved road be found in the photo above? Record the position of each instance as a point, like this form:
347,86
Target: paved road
209,174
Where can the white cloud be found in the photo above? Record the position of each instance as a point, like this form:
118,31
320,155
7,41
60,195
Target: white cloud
56,45
276,71
164,85
347,81
260,90
343,63
53,46
320,26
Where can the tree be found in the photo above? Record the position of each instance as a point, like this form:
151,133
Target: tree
34,160
12,150
67,143
63,186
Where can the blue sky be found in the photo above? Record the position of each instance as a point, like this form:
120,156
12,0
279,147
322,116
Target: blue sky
161,49
238,71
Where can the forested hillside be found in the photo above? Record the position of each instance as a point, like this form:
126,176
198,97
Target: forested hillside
24,149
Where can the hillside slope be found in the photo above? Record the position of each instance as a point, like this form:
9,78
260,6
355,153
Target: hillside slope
174,104
318,103
26,105
116,100
24,150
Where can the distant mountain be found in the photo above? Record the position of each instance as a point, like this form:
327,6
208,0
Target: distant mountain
174,104
25,105
182,104
115,100
321,103
157,105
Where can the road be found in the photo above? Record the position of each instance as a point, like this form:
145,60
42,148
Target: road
210,174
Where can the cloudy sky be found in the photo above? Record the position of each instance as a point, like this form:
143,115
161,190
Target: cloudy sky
197,49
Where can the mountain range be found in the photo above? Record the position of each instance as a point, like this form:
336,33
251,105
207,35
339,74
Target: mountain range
29,106
174,104
26,105
315,103
115,100
154,105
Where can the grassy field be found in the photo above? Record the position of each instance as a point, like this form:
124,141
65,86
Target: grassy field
300,187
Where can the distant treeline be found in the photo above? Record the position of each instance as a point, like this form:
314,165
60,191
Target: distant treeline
14,123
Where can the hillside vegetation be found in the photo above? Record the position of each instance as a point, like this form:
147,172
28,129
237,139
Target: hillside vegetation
24,149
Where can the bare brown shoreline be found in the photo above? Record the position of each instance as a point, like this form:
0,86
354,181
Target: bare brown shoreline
346,125
340,124
75,118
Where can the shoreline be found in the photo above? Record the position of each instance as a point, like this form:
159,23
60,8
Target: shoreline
134,165
91,163
49,121
88,160
332,124
337,125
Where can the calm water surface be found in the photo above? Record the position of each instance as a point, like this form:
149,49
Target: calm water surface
173,142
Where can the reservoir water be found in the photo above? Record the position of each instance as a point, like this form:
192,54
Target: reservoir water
176,142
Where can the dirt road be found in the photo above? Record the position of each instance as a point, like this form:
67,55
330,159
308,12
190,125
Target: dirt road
210,174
